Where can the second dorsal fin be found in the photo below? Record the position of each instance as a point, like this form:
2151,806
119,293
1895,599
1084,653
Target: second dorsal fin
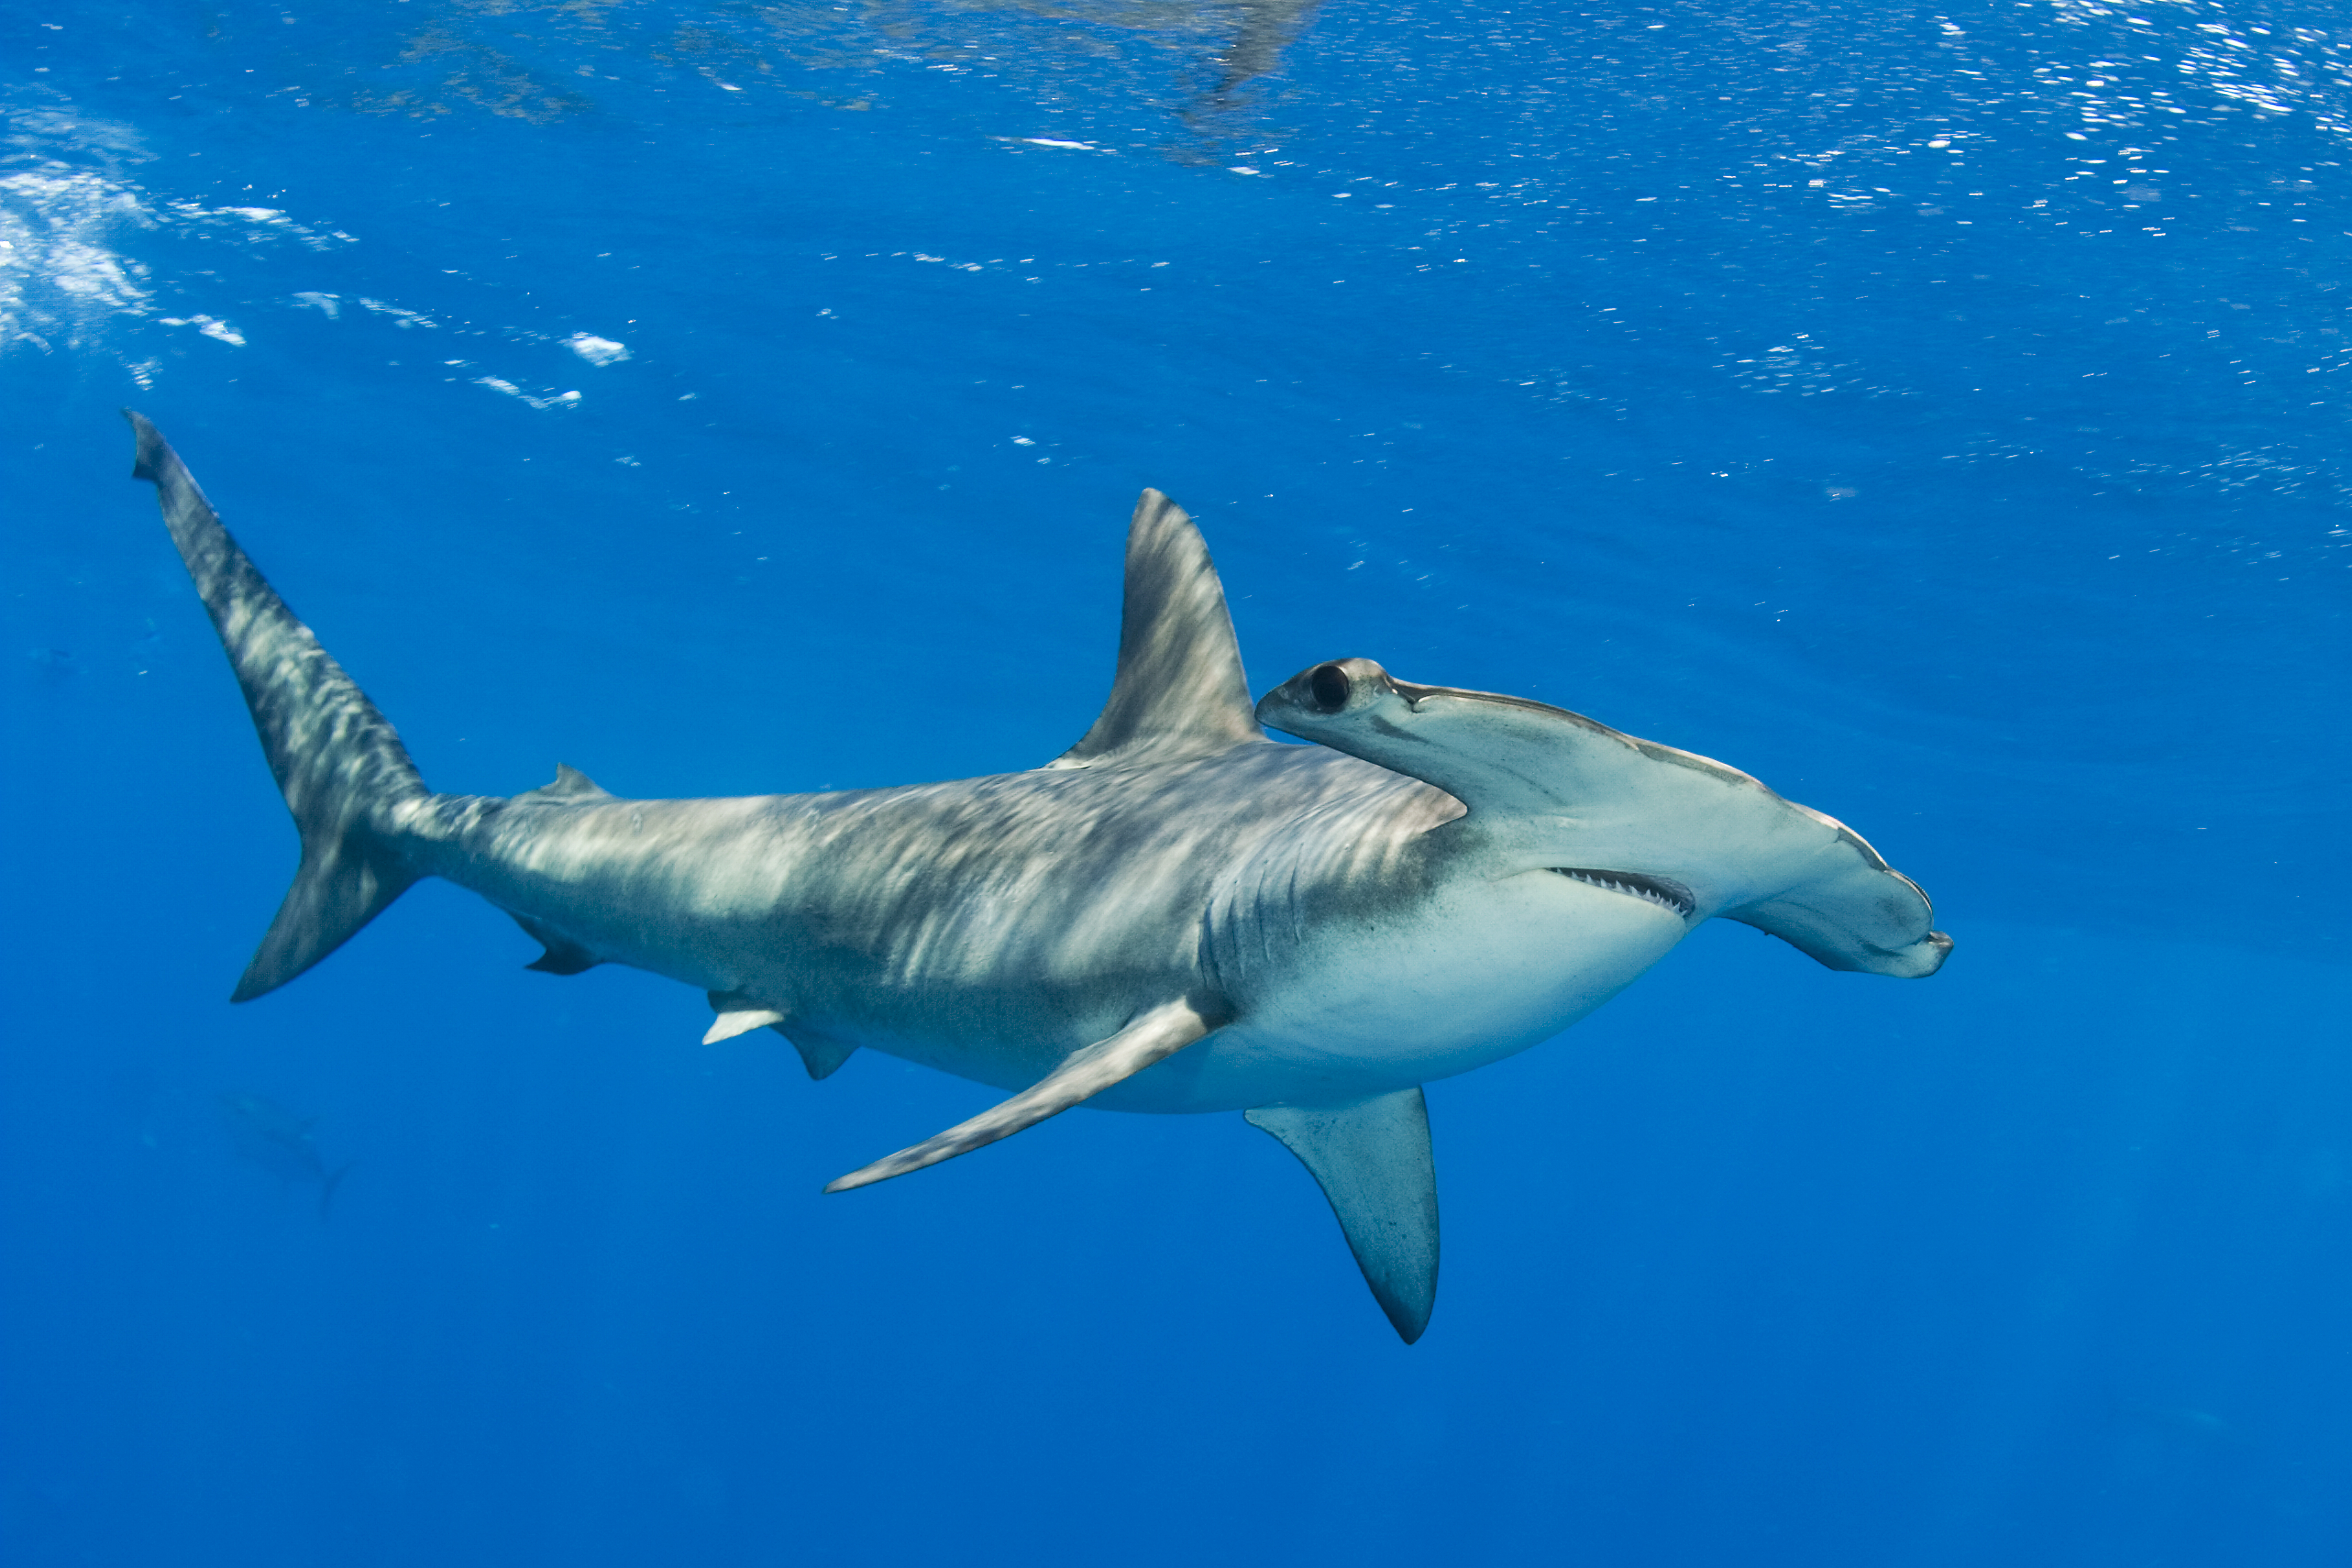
571,784
1180,690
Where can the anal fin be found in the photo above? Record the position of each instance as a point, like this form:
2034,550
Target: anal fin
563,955
1372,1161
1151,1037
822,1057
740,1014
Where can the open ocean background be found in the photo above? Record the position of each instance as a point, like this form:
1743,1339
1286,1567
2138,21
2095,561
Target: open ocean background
1939,414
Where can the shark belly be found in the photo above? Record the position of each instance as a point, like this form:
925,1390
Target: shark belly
1366,1003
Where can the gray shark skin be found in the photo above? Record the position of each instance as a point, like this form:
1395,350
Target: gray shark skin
1176,915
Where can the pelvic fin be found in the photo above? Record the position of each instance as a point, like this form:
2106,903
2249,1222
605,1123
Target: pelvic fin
739,1015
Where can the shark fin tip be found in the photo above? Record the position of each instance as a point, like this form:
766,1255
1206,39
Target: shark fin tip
143,466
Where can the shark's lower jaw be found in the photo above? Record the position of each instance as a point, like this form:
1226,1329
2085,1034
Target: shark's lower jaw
1663,891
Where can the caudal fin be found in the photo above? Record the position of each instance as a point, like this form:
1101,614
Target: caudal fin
336,760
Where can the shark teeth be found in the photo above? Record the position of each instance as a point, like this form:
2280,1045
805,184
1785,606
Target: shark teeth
1663,891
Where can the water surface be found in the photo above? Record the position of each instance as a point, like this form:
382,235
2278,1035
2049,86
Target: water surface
1937,414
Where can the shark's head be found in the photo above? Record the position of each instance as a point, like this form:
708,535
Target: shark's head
1551,790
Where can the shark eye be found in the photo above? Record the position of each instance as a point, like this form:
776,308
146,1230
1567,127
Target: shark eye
1330,686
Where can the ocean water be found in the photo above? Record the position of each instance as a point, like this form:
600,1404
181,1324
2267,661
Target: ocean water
1939,414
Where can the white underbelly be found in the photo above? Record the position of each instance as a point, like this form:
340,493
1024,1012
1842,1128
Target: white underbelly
1479,972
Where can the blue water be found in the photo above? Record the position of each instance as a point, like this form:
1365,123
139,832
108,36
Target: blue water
1937,414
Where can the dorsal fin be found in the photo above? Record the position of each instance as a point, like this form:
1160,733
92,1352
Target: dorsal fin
1179,691
571,784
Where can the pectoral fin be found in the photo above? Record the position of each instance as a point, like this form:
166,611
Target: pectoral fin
1155,1035
1372,1161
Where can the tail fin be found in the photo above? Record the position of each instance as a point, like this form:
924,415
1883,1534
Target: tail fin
338,763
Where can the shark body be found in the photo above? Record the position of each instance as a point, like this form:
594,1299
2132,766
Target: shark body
280,1142
1177,915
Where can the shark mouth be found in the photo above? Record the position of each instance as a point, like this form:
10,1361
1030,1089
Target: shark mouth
1663,891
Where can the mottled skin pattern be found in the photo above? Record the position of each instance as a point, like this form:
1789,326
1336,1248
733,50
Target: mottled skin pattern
1343,927
988,927
336,760
1178,914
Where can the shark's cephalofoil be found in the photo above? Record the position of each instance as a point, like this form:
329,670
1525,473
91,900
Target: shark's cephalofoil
1175,915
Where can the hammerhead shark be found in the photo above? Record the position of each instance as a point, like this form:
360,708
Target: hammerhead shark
1177,914
281,1143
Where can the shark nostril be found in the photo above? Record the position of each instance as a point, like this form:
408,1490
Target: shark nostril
1330,686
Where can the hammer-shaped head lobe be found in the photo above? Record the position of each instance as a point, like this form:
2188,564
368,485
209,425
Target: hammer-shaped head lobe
1552,789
